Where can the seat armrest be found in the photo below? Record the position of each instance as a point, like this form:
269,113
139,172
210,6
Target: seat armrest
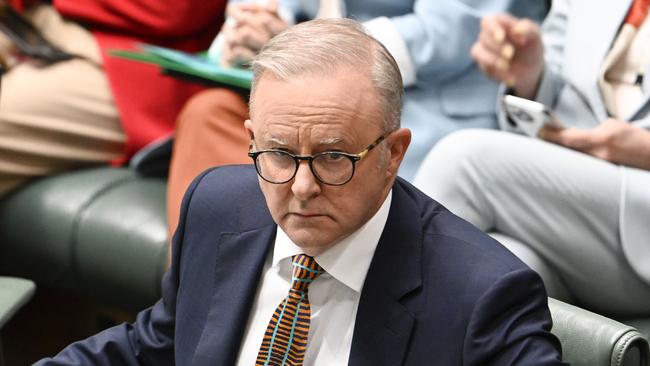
641,324
14,293
593,340
153,160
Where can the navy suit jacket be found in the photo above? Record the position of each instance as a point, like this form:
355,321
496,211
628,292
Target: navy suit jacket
438,291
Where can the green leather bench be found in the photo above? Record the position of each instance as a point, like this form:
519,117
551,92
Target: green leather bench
589,339
100,232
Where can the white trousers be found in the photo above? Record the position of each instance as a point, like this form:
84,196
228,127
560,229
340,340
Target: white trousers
536,196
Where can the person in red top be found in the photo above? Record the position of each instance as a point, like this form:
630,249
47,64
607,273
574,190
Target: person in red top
96,108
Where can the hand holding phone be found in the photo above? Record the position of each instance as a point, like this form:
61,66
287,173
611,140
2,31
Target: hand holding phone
529,116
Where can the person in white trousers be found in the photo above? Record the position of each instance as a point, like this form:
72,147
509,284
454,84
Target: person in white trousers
578,197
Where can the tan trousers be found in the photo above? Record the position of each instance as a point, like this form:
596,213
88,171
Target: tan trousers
57,117
209,132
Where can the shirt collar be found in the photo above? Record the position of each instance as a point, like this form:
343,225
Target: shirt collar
349,260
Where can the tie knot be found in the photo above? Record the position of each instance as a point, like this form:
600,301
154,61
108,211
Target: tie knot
304,270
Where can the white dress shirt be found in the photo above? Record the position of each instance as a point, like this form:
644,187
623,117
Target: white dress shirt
334,296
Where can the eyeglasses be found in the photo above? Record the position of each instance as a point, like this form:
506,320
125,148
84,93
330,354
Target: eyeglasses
333,168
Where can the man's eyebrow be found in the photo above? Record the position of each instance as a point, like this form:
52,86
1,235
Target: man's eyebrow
331,141
279,141
275,140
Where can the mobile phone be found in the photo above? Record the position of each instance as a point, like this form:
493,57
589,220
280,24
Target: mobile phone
27,38
529,116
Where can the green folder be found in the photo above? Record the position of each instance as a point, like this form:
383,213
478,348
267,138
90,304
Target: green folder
196,67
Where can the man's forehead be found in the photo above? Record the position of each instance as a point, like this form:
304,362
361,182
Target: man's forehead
345,88
318,109
314,110
317,136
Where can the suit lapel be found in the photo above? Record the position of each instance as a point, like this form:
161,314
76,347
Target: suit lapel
383,324
589,52
240,260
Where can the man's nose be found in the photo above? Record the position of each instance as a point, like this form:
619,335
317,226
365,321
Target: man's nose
305,185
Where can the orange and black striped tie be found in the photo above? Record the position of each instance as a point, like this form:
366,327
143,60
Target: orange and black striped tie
285,340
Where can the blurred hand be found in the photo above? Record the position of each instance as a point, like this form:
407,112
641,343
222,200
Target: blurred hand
510,50
248,29
616,141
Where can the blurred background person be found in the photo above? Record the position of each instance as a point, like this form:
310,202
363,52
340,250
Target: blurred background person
94,108
579,196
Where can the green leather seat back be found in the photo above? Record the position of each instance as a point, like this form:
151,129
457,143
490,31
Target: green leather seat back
99,231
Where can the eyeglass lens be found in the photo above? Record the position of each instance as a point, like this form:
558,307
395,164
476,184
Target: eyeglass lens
280,167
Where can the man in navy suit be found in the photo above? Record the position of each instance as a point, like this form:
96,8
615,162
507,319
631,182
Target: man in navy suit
393,277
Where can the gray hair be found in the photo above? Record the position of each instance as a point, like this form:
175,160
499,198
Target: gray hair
322,46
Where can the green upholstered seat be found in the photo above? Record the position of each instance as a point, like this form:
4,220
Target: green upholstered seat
589,339
101,232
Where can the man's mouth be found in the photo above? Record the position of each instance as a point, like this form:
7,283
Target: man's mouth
307,214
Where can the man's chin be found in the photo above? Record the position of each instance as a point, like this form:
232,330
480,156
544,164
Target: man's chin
311,240
297,222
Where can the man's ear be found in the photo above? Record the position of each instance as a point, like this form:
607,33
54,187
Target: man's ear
248,124
398,142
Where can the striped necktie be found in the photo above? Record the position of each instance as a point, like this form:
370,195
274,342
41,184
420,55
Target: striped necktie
285,340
